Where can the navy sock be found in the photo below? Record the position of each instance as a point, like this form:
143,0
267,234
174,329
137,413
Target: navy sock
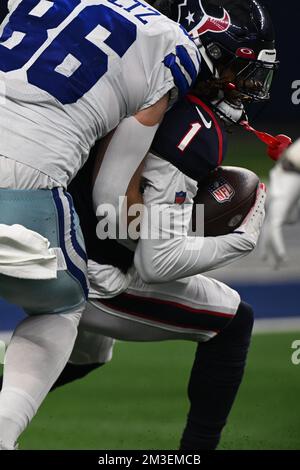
215,378
74,372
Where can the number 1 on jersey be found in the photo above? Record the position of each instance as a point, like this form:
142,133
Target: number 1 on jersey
187,139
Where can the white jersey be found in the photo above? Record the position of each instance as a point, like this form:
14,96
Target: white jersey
71,71
171,192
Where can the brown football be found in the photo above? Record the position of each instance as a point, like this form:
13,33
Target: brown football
227,195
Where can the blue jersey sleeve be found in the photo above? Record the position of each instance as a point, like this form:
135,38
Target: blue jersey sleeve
183,60
183,68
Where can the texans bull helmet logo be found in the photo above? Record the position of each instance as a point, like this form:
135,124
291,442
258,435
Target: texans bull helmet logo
193,17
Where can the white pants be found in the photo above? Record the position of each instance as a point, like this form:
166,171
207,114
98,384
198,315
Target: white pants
195,308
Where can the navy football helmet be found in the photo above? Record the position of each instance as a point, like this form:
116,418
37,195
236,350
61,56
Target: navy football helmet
231,34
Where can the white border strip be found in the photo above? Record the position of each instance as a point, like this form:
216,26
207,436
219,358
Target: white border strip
276,325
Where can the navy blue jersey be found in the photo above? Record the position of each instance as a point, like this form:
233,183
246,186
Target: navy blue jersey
192,138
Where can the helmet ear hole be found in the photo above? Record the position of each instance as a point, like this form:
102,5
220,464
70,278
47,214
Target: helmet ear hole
214,51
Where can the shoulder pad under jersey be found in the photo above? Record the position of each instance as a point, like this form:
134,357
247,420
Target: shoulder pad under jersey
192,138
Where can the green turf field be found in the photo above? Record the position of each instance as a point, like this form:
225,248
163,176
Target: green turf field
139,401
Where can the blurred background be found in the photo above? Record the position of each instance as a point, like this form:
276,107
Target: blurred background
139,400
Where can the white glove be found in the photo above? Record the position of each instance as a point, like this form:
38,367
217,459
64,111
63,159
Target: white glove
252,224
282,201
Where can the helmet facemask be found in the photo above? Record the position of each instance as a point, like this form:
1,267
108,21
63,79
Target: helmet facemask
237,81
249,77
255,80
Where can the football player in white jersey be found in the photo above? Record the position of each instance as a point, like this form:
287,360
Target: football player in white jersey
283,204
70,73
164,295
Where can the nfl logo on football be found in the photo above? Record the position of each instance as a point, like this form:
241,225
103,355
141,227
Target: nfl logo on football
222,191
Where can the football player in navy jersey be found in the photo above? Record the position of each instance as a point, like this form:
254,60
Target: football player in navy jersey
163,294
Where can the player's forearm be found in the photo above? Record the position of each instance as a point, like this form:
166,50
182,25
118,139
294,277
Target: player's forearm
125,153
167,253
169,260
